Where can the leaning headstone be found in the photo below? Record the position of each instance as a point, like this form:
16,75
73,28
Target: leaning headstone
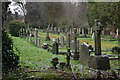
55,48
84,54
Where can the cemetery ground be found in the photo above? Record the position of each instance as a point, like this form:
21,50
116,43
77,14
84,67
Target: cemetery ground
35,62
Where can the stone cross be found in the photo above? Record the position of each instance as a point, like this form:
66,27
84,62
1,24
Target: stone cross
97,37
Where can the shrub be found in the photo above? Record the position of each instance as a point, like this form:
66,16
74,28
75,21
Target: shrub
15,26
10,60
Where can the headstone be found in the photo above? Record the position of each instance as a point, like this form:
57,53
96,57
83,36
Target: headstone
88,30
78,44
72,44
70,30
30,35
79,30
84,54
68,40
38,42
59,29
98,61
62,40
91,31
93,34
83,32
97,38
35,35
55,29
117,33
55,48
75,52
52,28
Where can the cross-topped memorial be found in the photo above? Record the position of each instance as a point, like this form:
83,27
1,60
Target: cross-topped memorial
98,28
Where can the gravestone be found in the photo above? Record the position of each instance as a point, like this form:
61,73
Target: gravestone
117,33
62,40
98,61
35,36
78,44
59,29
89,31
38,42
83,32
75,52
72,44
55,48
68,40
55,29
84,54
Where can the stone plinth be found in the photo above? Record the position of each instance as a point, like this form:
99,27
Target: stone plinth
100,62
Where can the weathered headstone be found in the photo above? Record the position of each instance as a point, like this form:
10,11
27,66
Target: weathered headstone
38,42
89,31
98,61
78,44
35,35
55,48
83,32
68,40
59,29
84,54
72,44
117,33
55,29
62,40
75,52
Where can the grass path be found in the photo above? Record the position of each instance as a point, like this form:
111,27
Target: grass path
36,58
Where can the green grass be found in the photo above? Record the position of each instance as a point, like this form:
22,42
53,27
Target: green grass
36,58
